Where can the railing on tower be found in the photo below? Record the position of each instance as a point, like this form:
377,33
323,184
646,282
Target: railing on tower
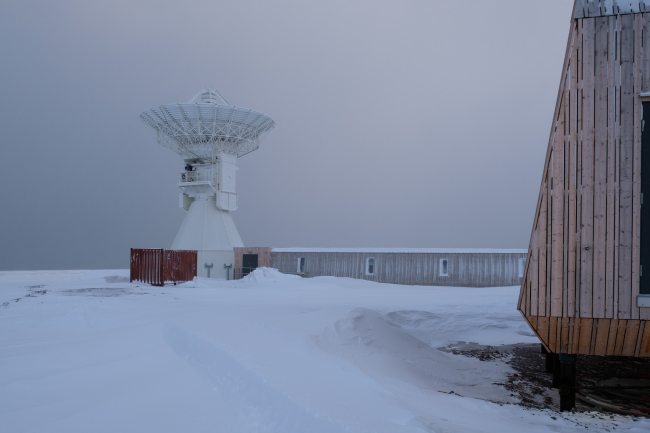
202,176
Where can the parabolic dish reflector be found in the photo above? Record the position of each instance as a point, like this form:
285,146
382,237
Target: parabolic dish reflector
199,130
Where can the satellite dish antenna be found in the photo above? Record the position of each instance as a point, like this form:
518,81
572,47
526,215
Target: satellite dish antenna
209,134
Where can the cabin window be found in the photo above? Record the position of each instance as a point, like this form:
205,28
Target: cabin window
301,265
370,266
443,269
522,267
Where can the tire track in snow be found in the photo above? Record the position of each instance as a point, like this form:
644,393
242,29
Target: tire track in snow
264,409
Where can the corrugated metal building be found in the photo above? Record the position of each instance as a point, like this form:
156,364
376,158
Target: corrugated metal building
415,266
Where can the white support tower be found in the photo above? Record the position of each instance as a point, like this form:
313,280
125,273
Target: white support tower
209,134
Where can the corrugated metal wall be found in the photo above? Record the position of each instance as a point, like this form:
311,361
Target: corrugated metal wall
464,269
157,266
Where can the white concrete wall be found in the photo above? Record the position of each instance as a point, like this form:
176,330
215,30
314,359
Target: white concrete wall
218,259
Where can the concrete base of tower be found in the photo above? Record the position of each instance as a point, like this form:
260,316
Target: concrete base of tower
212,233
215,264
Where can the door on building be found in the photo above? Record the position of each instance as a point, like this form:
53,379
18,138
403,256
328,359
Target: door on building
249,264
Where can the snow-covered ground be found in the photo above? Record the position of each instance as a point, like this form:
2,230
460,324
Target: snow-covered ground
87,351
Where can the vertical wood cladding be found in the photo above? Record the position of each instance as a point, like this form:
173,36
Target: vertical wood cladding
581,283
464,269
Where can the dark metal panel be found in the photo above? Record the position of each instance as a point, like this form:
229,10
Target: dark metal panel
644,287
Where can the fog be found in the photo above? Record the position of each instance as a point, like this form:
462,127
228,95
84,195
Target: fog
398,123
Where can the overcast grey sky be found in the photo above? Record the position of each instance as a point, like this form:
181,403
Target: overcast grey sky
404,123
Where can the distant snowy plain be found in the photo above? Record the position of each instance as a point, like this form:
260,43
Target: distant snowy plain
87,351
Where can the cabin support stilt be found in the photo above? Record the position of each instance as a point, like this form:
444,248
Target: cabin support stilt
549,359
556,371
567,386
549,362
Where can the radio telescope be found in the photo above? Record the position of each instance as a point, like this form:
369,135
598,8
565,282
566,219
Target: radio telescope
209,134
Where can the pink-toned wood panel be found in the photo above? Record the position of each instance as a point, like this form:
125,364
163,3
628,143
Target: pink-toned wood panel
584,259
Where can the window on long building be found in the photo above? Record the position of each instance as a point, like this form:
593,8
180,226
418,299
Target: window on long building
370,266
443,269
301,265
522,267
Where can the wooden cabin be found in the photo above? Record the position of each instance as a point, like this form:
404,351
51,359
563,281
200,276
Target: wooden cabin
412,266
583,290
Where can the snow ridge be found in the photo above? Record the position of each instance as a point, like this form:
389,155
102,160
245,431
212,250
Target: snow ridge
265,409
